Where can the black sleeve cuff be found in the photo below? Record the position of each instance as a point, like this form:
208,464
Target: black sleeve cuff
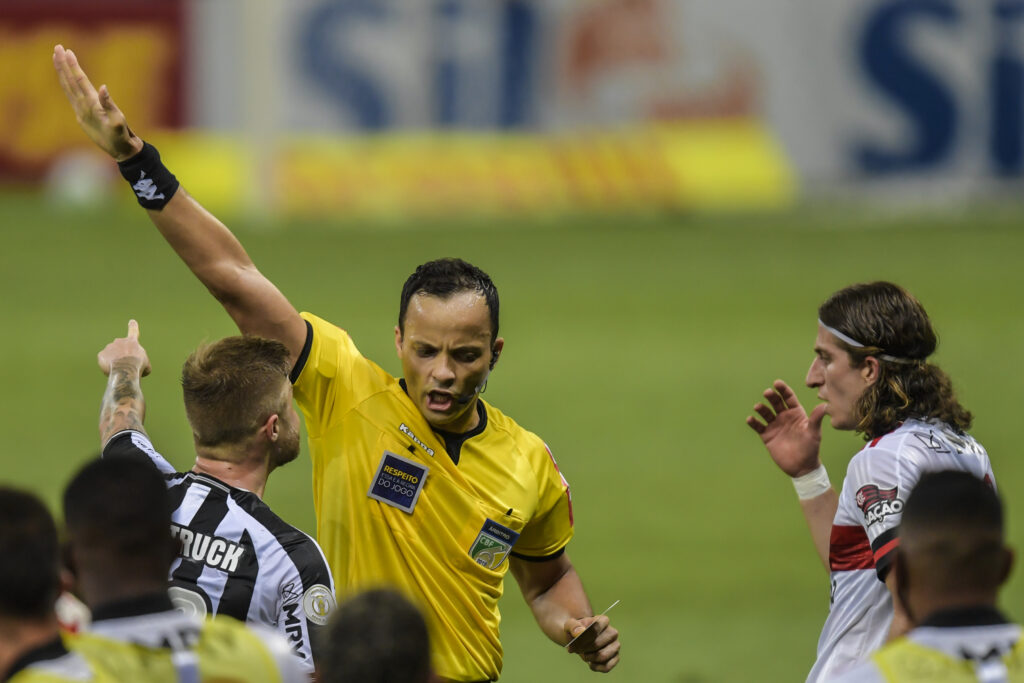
300,362
533,558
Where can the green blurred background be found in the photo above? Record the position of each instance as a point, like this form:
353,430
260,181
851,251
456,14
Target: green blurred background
634,346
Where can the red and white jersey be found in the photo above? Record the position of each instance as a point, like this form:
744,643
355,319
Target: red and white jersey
878,481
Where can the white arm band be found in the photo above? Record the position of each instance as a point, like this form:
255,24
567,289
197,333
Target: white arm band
812,484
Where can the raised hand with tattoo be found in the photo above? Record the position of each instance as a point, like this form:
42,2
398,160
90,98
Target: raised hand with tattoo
125,363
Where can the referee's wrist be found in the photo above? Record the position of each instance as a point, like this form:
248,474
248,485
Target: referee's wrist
812,484
152,183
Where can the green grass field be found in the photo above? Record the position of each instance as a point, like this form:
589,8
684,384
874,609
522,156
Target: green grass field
635,347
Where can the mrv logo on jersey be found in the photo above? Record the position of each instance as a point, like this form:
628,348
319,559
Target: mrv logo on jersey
216,552
877,504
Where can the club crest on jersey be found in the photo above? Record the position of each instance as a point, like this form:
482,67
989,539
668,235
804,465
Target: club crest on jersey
877,504
492,544
398,482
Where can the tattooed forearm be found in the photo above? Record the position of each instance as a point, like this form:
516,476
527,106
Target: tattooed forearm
124,406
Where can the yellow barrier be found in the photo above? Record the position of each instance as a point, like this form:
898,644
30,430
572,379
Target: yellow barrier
703,165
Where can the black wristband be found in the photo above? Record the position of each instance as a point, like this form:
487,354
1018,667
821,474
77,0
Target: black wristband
153,184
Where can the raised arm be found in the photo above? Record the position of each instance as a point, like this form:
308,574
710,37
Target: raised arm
555,594
793,439
205,244
125,363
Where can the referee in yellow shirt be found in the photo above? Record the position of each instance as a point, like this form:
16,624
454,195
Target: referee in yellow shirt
418,483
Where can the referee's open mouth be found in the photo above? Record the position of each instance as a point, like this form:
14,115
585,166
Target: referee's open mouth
441,401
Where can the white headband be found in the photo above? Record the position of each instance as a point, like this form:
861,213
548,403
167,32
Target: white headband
856,344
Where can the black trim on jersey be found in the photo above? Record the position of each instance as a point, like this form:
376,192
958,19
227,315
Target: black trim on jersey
884,563
300,362
452,441
533,558
982,615
303,553
133,607
236,598
208,517
52,649
115,447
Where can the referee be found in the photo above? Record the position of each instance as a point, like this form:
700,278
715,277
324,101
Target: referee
236,557
419,484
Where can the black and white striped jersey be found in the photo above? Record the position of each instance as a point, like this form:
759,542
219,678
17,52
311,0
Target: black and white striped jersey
237,557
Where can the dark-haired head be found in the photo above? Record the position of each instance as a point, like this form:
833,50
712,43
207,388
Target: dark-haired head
883,321
376,637
443,278
952,550
118,521
29,557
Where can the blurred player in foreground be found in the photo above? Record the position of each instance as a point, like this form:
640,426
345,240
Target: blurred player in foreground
31,648
120,547
871,370
377,637
418,483
237,557
950,565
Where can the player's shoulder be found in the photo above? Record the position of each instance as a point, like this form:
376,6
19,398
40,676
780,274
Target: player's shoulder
288,542
256,652
66,666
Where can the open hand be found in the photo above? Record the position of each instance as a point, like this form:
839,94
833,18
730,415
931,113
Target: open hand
96,112
791,436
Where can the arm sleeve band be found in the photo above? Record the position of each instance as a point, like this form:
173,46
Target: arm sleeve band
152,183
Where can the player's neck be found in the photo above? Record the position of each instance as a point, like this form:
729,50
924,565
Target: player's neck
246,471
18,637
926,606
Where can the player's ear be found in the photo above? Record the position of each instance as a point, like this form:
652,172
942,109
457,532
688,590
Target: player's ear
398,340
870,370
272,427
1008,558
496,348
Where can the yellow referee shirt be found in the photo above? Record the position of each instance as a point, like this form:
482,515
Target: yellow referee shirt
904,661
394,509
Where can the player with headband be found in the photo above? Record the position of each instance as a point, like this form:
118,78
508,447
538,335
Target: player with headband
872,373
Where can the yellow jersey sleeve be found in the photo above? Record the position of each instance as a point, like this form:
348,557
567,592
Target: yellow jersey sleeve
551,527
331,363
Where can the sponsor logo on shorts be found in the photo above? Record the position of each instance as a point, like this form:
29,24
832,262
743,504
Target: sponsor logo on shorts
492,544
877,504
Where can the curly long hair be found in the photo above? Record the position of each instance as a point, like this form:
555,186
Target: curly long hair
889,321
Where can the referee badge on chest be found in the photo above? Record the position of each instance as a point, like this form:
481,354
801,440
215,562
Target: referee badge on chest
493,544
398,481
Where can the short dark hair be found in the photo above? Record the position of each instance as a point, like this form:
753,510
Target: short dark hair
953,522
378,636
888,320
29,556
117,509
232,386
443,278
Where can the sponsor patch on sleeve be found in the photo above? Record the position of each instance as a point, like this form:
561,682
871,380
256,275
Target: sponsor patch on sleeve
877,504
493,544
318,603
398,481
